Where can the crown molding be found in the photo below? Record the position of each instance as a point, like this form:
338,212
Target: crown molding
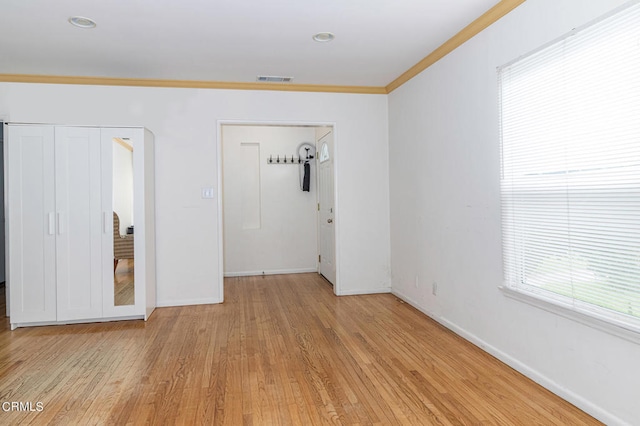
191,84
487,18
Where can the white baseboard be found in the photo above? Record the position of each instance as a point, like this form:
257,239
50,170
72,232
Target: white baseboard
187,302
80,321
364,291
269,272
580,402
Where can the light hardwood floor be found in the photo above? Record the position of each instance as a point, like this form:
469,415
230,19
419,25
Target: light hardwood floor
280,350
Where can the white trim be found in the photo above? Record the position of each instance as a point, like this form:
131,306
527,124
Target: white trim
357,292
545,381
269,272
188,302
277,123
220,213
337,287
318,233
606,325
80,321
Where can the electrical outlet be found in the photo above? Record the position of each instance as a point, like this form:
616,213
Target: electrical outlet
434,288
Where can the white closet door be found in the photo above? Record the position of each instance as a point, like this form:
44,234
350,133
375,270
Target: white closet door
79,223
108,273
31,223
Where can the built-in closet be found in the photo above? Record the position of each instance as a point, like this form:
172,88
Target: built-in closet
60,220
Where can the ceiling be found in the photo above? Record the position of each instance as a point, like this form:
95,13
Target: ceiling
230,40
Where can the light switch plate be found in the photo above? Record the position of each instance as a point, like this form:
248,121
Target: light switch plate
207,192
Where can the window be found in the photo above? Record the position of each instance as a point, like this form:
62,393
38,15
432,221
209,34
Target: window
570,178
324,153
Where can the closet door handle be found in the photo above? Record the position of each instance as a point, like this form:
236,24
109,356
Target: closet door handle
52,224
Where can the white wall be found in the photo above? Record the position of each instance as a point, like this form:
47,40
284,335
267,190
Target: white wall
284,238
123,186
445,217
185,125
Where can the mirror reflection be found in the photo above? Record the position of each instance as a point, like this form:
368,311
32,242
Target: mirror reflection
123,231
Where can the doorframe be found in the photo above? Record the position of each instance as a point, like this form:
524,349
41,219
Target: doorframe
219,185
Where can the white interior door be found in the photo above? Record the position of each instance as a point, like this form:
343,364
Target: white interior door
79,223
324,150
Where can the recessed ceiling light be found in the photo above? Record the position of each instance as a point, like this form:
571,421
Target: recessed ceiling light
323,37
82,22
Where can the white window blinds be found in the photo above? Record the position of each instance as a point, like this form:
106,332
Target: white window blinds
570,134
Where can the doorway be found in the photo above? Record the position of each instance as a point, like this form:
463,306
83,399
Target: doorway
277,211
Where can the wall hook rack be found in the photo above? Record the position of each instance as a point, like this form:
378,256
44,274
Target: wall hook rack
285,159
302,157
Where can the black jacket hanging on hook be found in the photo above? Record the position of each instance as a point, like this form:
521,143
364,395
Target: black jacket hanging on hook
307,176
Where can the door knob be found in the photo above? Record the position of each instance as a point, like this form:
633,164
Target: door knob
329,220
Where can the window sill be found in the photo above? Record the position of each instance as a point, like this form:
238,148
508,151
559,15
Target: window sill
609,326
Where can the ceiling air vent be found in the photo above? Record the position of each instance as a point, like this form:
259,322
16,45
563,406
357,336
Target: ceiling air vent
274,79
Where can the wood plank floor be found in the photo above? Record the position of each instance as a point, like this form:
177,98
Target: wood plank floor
281,350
